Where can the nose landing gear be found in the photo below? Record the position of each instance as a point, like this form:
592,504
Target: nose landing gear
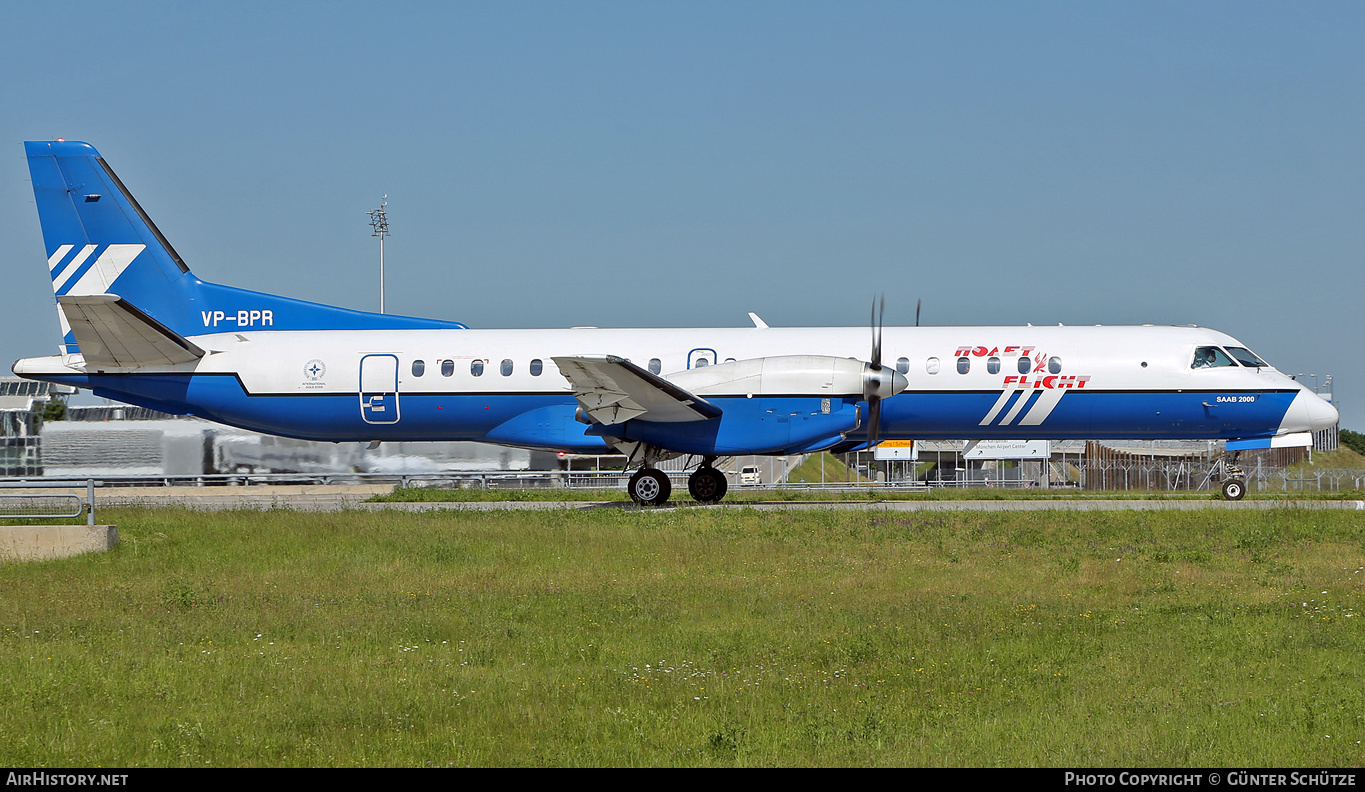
1234,489
1234,480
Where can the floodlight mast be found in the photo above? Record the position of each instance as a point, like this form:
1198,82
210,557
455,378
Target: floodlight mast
379,221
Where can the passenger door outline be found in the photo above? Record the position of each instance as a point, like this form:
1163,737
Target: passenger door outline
379,389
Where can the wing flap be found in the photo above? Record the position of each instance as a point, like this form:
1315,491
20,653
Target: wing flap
613,390
113,334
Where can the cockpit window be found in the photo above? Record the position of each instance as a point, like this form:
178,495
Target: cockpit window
1211,357
1246,358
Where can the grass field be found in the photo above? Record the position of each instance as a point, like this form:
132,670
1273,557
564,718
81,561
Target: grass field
691,637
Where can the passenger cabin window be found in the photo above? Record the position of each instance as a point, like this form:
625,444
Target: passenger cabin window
931,365
537,367
655,365
1246,358
507,368
447,368
1054,365
702,362
964,365
418,368
1024,364
903,365
993,365
476,368
1211,357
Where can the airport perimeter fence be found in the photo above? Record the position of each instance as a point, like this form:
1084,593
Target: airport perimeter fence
1126,475
1105,475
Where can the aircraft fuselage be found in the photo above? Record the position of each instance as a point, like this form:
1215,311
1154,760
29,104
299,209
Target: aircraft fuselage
501,386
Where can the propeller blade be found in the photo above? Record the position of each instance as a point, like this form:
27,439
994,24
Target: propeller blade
872,322
878,381
877,319
874,420
881,322
918,303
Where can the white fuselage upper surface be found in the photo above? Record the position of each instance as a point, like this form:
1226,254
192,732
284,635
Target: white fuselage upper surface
1109,358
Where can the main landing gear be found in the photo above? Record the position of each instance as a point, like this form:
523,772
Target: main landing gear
651,487
707,484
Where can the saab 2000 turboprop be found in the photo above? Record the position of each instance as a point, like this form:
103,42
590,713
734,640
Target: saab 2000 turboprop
139,327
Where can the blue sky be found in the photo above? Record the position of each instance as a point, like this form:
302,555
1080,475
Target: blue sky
676,164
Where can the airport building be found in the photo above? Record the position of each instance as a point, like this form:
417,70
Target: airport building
22,404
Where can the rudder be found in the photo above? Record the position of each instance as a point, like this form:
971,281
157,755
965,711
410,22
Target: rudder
95,233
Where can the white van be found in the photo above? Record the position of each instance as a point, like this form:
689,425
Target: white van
748,474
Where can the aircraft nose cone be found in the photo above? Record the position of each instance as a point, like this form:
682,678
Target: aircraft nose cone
1321,413
1312,412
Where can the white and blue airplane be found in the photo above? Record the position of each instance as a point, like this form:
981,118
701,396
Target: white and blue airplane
140,328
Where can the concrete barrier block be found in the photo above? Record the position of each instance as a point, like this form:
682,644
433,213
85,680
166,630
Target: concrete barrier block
42,542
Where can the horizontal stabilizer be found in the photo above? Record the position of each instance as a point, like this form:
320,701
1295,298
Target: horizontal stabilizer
113,334
613,390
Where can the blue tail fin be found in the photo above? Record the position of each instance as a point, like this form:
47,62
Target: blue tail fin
100,241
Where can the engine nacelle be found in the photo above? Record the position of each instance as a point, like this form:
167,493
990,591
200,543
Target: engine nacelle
821,376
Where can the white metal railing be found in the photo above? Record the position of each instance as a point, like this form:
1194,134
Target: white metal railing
41,506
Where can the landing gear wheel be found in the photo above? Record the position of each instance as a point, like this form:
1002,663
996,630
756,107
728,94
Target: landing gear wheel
707,485
1234,489
649,487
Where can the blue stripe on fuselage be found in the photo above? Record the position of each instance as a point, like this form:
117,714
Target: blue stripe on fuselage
545,420
1089,414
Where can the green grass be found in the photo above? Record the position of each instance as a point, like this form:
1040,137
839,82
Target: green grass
832,471
691,637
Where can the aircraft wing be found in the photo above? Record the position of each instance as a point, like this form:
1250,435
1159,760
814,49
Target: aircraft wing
114,334
613,390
